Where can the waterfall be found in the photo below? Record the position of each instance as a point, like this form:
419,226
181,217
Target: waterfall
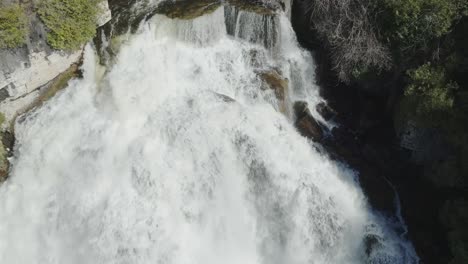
176,155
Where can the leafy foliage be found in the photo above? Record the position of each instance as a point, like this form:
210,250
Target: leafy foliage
411,24
13,26
71,23
432,89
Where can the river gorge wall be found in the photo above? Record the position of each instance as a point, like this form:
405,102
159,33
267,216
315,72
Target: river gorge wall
381,138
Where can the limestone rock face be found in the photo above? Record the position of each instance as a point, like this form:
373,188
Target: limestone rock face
18,77
25,69
105,14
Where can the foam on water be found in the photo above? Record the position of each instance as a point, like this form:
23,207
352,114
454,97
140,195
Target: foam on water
176,156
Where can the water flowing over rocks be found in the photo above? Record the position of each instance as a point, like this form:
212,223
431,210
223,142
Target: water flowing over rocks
129,14
306,123
262,7
390,151
25,69
272,79
29,74
187,9
178,155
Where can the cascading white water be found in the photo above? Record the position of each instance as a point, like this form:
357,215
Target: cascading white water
177,156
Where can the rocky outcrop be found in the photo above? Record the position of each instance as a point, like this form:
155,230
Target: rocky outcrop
20,75
273,80
14,108
127,15
325,111
25,69
105,14
187,9
306,123
31,74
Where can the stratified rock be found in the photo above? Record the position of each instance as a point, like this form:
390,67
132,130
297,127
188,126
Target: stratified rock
105,14
187,9
263,7
274,81
306,123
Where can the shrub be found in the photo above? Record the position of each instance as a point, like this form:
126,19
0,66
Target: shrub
13,26
411,24
429,97
70,23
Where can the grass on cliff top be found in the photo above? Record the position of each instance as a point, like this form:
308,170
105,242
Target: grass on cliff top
70,23
13,26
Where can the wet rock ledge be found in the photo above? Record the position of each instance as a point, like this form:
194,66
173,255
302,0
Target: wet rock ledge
189,9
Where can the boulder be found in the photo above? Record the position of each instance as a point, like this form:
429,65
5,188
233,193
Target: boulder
273,80
105,14
325,111
306,123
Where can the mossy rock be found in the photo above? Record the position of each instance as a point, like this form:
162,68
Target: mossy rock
190,9
187,9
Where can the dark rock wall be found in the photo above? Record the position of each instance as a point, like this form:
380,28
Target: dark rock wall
419,163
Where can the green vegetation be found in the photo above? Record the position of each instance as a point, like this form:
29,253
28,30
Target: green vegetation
414,55
430,92
70,23
59,83
13,26
2,118
413,23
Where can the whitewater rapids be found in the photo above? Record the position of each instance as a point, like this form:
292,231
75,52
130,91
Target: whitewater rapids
176,156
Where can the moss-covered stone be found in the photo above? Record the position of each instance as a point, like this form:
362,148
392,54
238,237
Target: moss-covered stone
187,9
